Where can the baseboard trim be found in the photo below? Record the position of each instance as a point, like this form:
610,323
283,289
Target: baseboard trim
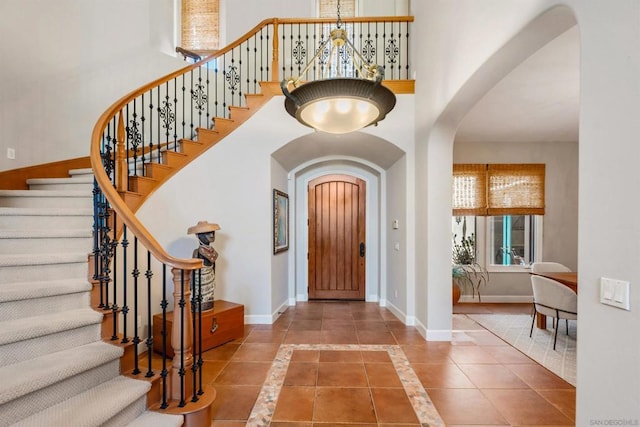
498,299
258,319
397,312
439,335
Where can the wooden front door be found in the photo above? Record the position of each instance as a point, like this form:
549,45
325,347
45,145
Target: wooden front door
337,237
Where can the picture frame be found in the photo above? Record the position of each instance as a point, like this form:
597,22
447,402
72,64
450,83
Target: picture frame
280,221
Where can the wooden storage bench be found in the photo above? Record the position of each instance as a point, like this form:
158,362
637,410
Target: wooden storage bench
220,325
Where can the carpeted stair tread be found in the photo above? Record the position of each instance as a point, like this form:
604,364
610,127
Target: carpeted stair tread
4,211
156,419
28,376
38,326
80,179
93,407
81,171
44,193
29,290
11,260
41,233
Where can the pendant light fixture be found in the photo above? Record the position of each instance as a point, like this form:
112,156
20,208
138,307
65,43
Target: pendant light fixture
337,104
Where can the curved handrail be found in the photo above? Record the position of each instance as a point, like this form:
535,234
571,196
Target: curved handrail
125,214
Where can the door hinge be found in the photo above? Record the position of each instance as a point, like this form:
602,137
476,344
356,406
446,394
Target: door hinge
307,255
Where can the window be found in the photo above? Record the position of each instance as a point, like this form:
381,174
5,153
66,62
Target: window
328,8
512,239
499,243
200,25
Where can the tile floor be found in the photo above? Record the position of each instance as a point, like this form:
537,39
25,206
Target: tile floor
325,364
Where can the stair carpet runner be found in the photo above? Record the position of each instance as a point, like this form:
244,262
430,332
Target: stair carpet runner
55,368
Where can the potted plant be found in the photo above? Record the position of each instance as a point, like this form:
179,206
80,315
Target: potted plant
466,272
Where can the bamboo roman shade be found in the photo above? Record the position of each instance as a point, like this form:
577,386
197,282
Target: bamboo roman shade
328,8
498,189
200,24
469,189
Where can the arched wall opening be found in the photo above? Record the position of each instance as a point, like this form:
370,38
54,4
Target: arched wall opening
360,155
433,307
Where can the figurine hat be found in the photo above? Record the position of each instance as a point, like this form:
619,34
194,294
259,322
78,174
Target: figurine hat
203,227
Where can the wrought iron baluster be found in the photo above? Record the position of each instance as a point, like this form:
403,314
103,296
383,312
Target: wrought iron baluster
125,307
163,304
145,160
136,338
194,330
200,361
184,105
407,66
149,274
175,105
96,232
181,373
114,254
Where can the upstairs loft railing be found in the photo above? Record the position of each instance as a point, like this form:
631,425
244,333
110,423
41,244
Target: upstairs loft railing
136,134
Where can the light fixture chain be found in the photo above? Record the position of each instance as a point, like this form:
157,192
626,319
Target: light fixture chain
339,23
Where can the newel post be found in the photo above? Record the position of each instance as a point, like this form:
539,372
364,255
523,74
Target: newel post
275,69
180,380
122,171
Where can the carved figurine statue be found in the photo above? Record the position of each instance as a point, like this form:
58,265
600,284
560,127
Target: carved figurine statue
205,279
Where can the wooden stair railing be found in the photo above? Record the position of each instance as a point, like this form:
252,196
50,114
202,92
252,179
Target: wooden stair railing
147,135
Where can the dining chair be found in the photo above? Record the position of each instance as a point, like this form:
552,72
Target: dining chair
546,266
554,299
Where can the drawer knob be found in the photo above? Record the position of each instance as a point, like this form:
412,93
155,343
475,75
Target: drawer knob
214,325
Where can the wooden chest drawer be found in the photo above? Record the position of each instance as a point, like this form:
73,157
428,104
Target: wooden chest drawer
220,325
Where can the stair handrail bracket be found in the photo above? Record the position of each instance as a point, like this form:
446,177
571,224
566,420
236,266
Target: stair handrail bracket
143,138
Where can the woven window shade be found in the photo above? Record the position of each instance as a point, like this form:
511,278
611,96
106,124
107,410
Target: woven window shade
516,189
469,189
328,8
200,24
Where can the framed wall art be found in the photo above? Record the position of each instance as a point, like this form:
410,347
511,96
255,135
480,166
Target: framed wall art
280,221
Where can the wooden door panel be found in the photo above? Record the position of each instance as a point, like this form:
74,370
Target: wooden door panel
336,229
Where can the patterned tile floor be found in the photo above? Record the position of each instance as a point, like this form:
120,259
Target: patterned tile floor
329,364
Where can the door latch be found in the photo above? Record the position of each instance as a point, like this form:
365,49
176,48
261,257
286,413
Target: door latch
361,249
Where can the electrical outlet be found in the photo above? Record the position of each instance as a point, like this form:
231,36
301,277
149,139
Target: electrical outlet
11,153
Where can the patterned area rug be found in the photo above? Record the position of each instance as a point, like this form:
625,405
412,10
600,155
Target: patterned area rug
514,329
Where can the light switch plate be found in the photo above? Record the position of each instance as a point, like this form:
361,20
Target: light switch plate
614,292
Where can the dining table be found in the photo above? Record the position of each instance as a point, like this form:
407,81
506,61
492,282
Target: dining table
567,278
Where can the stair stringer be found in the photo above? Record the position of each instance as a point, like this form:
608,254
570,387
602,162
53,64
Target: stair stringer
156,174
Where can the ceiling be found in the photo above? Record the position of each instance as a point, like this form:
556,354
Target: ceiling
537,101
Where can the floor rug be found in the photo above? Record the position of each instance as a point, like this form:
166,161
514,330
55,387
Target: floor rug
514,329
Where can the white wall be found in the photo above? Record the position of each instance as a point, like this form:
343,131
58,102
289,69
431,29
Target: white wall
608,241
72,53
470,45
560,229
396,206
280,262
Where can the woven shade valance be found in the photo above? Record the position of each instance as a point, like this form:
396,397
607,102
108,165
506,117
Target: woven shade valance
328,8
498,189
200,24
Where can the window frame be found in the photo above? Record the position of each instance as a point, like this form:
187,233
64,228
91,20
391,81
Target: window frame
485,232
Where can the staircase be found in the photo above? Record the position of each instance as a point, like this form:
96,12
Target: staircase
55,368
